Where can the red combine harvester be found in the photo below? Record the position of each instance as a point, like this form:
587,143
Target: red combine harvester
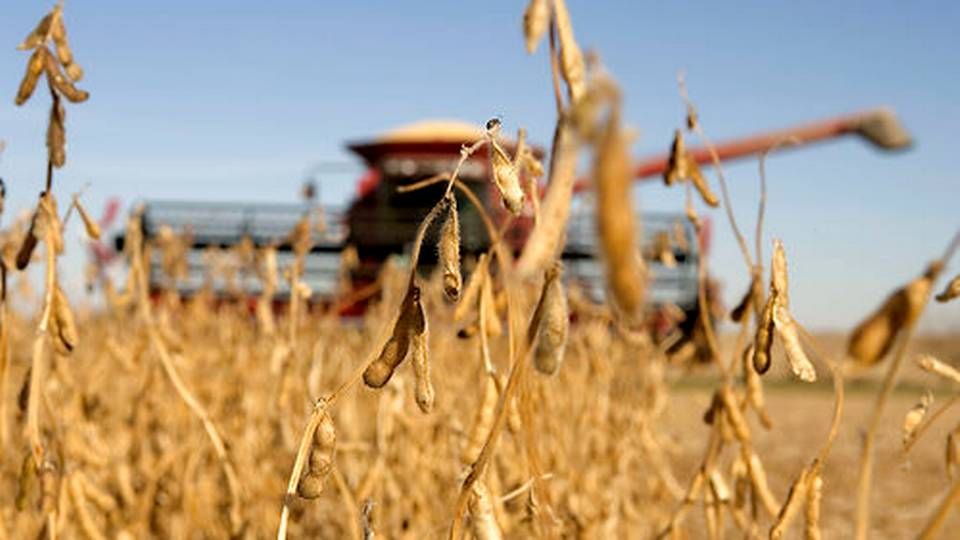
380,222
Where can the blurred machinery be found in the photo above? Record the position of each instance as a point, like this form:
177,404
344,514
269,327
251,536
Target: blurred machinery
380,222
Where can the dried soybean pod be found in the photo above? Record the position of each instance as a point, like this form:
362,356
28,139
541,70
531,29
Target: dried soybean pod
914,417
89,224
732,411
758,479
379,371
932,365
59,34
56,135
742,307
40,32
536,19
779,281
449,249
25,253
506,178
571,59
483,421
952,457
423,390
491,321
754,388
61,82
324,447
483,520
872,339
796,498
322,450
951,291
812,509
554,323
676,163
35,67
616,220
468,301
786,328
310,487
27,482
700,183
64,328
763,340
680,166
410,322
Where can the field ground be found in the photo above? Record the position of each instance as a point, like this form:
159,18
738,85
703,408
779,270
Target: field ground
907,489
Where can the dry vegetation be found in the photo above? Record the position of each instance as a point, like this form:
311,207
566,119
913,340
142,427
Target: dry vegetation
193,418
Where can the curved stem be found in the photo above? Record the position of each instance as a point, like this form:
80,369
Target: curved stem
866,454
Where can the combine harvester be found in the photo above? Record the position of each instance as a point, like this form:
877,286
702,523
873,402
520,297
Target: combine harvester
380,222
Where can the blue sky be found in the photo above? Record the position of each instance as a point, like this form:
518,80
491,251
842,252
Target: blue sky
236,100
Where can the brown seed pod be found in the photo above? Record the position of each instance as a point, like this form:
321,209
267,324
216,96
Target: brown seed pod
41,32
554,323
754,388
914,417
310,487
491,320
571,59
681,166
506,178
952,456
59,34
468,301
449,250
786,328
763,339
91,226
796,498
56,135
25,253
662,251
616,224
741,481
35,67
872,339
779,282
74,71
483,520
719,486
322,450
701,184
536,20
423,390
63,329
932,365
61,82
758,479
951,291
379,371
732,412
743,307
676,163
410,322
812,508
27,482
483,421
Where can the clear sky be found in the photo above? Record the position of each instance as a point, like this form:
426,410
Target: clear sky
237,100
